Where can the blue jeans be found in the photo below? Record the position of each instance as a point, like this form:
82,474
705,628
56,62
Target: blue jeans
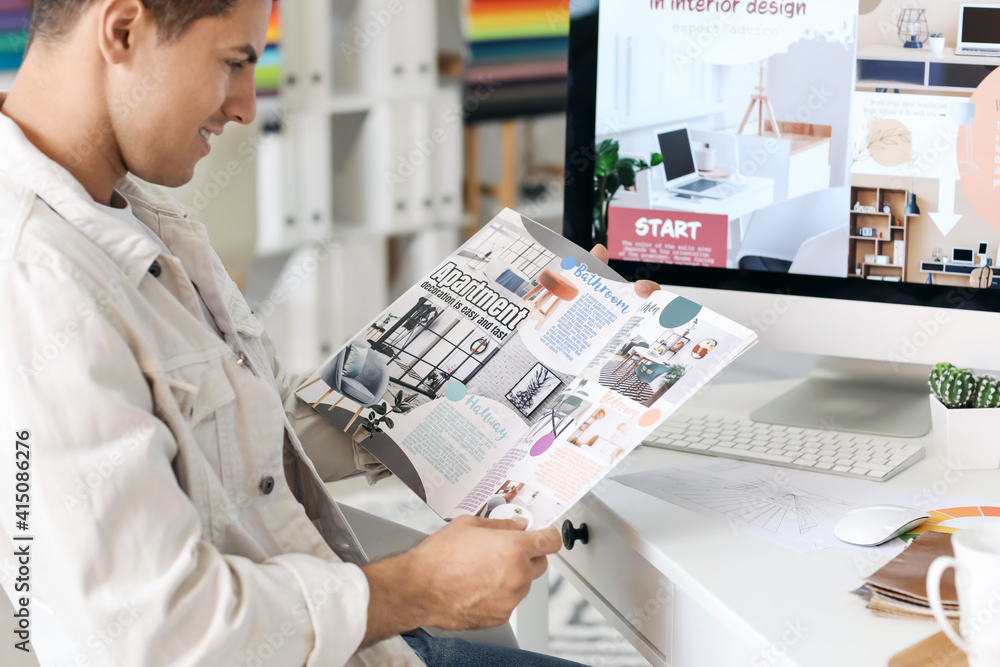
450,652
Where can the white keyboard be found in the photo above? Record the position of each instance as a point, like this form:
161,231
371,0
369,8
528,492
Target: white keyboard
835,452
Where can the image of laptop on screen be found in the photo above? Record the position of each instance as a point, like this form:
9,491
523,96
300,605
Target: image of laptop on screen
682,174
979,30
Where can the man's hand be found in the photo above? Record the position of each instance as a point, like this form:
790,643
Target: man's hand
470,574
643,288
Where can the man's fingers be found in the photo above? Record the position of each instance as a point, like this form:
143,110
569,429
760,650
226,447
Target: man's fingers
537,567
645,288
600,252
516,523
542,542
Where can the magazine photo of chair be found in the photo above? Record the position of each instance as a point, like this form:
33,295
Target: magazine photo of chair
357,373
641,374
552,289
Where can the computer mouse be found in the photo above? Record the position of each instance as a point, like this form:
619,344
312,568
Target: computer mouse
875,524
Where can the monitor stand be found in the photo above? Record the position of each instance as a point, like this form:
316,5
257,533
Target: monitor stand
879,398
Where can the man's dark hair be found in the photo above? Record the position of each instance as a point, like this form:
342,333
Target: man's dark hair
51,19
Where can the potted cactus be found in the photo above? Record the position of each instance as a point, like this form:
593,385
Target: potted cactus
965,410
937,43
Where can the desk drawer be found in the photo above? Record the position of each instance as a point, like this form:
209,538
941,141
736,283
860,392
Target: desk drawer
891,70
638,594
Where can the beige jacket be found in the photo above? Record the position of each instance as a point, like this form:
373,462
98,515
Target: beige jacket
176,518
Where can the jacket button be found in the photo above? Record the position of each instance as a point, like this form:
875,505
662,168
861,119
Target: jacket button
267,485
154,269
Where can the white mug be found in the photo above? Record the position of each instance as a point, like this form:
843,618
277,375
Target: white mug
977,580
704,157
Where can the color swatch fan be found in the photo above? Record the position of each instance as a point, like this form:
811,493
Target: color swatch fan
268,72
517,50
14,16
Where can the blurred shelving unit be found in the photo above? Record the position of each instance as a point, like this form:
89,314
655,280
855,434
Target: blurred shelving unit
365,155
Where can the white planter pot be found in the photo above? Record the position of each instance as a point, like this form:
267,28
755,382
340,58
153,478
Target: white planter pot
971,435
937,45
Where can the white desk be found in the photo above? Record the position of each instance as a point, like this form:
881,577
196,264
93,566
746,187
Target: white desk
892,67
691,591
759,193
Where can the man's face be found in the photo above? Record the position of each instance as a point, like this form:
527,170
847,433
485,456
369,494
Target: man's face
172,93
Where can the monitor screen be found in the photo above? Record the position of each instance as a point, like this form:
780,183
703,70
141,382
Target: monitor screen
678,161
981,25
853,160
961,254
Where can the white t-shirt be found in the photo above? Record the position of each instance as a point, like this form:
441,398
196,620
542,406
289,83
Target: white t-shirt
128,217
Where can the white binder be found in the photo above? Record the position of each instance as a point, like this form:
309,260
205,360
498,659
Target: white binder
409,180
277,217
417,47
361,157
362,44
447,167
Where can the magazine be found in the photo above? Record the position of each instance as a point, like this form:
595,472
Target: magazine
518,373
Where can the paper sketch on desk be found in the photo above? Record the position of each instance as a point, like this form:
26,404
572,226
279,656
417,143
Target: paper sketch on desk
795,508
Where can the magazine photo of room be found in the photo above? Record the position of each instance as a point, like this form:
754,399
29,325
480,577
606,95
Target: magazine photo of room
426,345
501,254
752,138
419,346
912,157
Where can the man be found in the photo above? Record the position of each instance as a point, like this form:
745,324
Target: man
176,518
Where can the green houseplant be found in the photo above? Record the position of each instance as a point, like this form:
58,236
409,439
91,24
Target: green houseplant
611,173
379,416
965,411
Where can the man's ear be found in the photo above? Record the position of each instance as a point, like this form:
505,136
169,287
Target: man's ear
119,24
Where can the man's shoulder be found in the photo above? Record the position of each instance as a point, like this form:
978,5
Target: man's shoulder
32,234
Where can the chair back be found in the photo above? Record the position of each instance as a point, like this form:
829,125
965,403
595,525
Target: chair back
781,230
647,373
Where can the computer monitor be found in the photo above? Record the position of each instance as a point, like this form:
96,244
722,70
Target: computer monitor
979,29
859,181
962,255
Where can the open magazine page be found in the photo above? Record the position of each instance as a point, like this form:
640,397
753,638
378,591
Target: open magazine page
658,359
444,383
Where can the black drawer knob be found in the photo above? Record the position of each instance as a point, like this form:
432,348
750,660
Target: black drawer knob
570,534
